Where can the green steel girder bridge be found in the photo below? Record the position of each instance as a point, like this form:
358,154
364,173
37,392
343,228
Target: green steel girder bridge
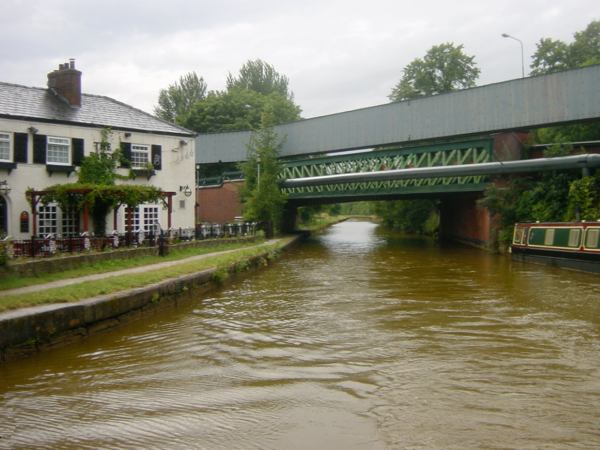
430,146
441,155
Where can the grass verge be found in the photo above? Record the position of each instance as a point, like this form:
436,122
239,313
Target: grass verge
89,289
17,281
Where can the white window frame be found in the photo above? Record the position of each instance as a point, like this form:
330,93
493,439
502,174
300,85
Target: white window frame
47,218
6,138
69,222
52,219
145,217
140,156
63,142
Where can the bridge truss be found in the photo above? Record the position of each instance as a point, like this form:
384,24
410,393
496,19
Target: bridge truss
460,153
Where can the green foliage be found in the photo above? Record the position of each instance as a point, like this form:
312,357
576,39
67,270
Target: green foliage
78,195
554,196
261,77
557,150
307,213
579,132
584,198
444,68
96,189
3,253
220,276
258,89
554,55
263,200
239,110
410,216
175,102
99,167
585,50
358,208
551,56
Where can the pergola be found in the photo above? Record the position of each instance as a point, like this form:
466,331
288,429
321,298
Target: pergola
36,196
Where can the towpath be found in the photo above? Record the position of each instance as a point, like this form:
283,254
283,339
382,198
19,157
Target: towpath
116,273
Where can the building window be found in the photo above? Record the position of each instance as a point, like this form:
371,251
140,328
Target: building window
3,218
58,150
51,219
139,156
145,218
24,222
70,222
5,147
47,219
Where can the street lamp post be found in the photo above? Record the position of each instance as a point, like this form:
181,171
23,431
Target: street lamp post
504,35
258,171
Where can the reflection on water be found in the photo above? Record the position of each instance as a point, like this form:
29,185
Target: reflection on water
356,339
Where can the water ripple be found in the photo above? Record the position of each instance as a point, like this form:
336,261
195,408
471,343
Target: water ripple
358,339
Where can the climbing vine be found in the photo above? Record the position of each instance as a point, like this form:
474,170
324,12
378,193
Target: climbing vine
96,189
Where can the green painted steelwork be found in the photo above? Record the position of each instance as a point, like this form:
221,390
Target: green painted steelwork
472,152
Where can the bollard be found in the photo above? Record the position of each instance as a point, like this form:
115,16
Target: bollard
163,248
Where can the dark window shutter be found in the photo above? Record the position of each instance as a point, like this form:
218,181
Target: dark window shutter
39,149
157,157
20,147
126,154
77,150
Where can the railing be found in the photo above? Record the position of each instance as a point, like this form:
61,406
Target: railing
219,180
50,245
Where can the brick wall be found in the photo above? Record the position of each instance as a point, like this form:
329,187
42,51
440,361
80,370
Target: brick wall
462,220
219,204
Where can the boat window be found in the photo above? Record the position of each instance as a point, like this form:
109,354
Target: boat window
549,239
592,236
574,237
518,237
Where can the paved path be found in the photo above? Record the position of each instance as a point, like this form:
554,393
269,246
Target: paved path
116,273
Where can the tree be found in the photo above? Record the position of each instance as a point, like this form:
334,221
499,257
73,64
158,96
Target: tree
554,55
444,68
410,216
238,110
257,89
177,100
262,199
585,50
259,76
551,56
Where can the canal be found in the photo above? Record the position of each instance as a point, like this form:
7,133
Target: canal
356,339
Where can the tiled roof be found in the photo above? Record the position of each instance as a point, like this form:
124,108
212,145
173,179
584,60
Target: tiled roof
38,103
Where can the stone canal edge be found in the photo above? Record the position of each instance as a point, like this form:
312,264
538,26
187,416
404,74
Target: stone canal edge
31,330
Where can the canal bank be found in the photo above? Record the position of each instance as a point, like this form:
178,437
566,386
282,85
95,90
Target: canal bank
30,330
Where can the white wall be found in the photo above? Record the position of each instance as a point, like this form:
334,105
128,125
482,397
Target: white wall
178,169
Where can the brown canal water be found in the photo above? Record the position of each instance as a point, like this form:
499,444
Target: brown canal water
357,339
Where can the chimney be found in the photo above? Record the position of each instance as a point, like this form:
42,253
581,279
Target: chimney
66,82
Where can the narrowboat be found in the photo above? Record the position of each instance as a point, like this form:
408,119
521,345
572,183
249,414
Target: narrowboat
573,245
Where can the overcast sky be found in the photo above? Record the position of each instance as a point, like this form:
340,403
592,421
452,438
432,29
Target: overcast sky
338,54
